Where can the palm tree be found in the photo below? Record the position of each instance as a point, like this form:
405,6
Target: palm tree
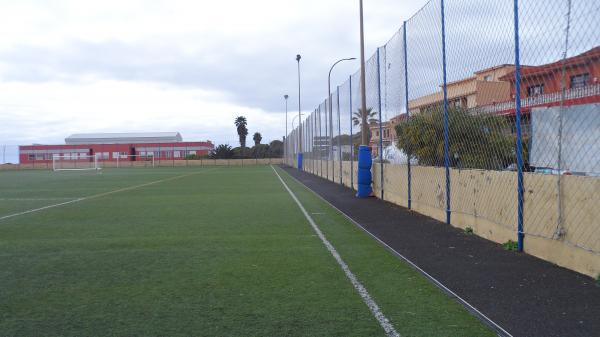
357,117
242,131
370,118
257,138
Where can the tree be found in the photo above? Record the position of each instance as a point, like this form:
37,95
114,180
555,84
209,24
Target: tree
222,151
357,117
257,138
357,121
276,149
260,151
476,141
242,131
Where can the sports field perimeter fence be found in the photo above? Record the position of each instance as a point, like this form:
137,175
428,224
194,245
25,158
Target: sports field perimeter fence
483,114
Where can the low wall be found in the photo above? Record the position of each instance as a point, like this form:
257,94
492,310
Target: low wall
486,201
162,163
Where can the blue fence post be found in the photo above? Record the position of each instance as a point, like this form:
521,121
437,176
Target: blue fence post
327,136
339,132
380,125
446,130
407,113
519,144
320,146
351,140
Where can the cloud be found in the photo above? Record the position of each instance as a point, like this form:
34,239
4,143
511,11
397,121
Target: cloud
190,66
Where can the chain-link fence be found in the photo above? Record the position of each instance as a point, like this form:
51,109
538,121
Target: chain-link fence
483,114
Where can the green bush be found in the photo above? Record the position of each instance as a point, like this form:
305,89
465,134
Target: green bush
476,141
510,245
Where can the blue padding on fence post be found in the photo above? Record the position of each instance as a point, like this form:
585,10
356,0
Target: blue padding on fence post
446,129
519,144
300,158
364,172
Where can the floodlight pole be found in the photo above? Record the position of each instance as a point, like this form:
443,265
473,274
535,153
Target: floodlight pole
363,90
300,154
298,57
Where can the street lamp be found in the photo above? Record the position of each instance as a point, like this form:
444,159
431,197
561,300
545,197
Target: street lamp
286,129
330,154
293,120
298,57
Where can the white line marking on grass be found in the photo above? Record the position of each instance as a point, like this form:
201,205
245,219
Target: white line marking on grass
362,291
433,280
94,196
34,199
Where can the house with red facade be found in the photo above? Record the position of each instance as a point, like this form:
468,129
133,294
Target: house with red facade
117,147
541,86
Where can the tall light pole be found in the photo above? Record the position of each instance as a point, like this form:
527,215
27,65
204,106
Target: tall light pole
363,90
286,129
298,57
329,99
364,177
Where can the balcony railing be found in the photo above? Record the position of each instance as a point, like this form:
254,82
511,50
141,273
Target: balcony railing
553,97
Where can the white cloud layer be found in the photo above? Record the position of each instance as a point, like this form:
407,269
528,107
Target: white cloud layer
188,66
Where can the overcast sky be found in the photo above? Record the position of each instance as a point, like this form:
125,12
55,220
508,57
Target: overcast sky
189,66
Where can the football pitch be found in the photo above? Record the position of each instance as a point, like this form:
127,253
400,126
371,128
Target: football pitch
217,251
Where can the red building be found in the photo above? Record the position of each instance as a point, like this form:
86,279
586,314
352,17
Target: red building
541,85
117,146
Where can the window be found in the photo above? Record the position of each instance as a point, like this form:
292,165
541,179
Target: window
580,81
535,90
31,156
487,78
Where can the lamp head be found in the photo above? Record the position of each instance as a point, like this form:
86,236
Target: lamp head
285,96
298,57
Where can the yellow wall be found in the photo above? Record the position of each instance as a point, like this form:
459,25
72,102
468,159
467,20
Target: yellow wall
486,201
162,163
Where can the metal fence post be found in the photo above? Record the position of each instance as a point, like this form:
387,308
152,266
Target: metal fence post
519,143
380,125
446,129
351,140
339,131
320,146
409,173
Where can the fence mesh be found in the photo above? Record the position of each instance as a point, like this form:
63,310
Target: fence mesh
443,118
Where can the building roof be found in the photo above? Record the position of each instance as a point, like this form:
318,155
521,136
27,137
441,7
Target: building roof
590,55
124,138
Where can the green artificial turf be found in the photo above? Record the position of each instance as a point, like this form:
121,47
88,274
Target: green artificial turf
210,252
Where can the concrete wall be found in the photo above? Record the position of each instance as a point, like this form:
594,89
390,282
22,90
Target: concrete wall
486,201
162,163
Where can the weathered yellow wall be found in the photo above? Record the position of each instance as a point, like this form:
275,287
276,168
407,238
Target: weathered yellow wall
486,201
162,163
346,174
429,191
395,180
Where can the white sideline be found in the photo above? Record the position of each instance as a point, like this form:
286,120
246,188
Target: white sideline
362,291
437,283
99,195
